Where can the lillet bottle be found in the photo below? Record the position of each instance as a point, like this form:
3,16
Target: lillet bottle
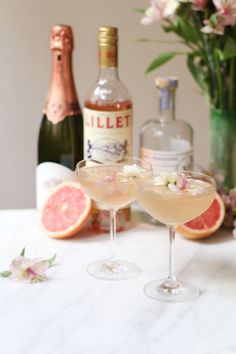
108,120
165,142
60,141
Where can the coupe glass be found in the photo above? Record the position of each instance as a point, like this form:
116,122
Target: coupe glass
113,186
175,198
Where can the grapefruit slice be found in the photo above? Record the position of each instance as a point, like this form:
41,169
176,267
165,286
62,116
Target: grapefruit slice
205,224
65,211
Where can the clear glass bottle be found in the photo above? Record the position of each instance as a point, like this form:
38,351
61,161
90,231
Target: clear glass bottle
167,143
108,120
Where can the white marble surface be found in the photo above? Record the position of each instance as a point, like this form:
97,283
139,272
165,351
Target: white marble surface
72,313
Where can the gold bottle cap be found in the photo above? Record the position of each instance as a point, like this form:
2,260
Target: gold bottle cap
108,36
61,37
166,82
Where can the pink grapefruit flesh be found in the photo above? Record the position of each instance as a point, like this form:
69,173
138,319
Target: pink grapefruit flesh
65,211
205,224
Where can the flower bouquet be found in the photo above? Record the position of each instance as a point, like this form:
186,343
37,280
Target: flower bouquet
207,29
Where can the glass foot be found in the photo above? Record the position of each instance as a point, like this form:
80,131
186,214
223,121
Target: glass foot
113,270
172,291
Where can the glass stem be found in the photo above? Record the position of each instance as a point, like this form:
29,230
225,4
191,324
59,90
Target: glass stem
171,276
113,234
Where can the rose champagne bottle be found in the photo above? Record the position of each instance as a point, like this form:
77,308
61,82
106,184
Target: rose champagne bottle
107,120
60,141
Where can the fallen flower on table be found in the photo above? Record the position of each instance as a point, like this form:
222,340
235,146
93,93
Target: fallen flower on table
27,269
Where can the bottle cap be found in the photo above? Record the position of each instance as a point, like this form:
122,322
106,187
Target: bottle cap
166,82
61,37
108,36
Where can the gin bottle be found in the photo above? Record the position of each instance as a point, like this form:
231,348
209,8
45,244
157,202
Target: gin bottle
167,143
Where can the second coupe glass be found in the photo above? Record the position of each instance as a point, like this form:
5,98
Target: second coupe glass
175,198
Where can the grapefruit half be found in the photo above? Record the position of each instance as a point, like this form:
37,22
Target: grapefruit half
205,224
65,211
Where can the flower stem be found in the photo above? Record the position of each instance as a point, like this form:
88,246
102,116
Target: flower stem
231,83
219,81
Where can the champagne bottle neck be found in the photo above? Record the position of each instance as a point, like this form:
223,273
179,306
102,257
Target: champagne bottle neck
62,97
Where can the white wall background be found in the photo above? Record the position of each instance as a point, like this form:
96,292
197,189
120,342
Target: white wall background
25,72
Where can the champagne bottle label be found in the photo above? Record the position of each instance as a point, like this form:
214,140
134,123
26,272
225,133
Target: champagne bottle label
48,176
107,135
167,161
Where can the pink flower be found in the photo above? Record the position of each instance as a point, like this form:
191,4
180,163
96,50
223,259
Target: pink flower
159,10
28,270
199,4
210,28
181,182
227,11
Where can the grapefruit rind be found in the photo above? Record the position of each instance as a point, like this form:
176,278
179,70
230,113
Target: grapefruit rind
194,233
81,219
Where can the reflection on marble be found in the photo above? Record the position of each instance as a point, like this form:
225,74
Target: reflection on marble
72,313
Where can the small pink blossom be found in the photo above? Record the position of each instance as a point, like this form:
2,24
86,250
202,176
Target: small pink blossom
111,178
199,5
227,11
181,182
232,194
210,28
28,270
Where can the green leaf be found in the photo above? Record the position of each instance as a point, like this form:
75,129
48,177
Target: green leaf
229,49
197,72
218,52
51,260
167,28
213,19
22,252
146,40
187,31
5,274
160,60
141,11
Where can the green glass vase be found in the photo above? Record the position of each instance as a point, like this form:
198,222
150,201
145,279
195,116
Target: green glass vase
223,147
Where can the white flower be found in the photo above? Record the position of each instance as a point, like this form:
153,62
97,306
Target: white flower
159,10
132,170
28,270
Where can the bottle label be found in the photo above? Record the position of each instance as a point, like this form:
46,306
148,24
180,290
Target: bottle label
107,135
167,161
48,176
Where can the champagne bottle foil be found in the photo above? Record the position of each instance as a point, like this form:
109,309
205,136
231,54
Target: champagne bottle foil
62,98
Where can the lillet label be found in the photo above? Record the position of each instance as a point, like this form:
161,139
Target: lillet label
107,135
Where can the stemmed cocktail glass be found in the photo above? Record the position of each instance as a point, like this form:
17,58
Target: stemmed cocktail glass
114,186
175,198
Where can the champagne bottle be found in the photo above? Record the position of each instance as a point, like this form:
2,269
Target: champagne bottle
107,120
60,141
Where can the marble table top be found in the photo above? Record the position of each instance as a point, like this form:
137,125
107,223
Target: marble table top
73,313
